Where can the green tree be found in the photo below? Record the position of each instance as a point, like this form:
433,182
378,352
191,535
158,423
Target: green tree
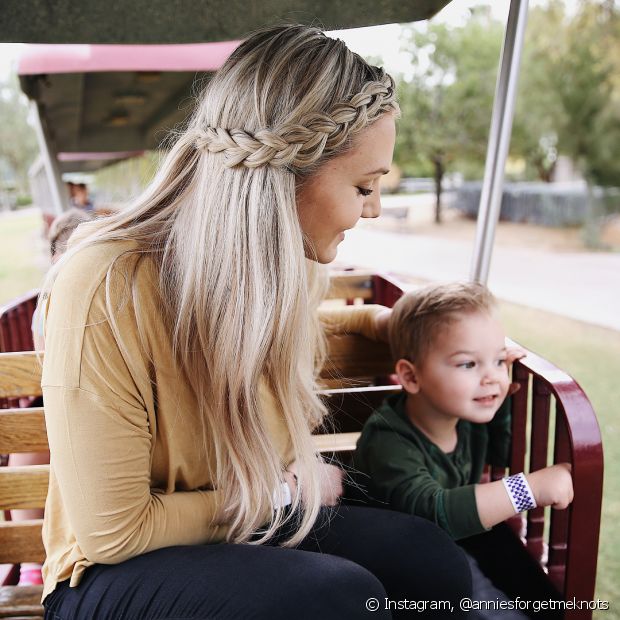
447,104
569,94
587,80
18,144
539,111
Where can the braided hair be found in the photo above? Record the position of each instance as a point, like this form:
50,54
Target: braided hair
298,145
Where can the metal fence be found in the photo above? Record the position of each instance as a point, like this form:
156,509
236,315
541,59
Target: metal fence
546,204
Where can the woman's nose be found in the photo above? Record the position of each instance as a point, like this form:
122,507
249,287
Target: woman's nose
372,207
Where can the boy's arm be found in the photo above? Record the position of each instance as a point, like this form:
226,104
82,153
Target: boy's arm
399,477
551,486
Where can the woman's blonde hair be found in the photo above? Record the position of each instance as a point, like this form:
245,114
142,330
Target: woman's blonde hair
220,221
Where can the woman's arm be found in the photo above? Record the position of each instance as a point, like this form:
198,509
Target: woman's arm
369,320
101,453
98,393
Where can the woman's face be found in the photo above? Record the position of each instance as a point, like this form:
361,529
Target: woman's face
345,189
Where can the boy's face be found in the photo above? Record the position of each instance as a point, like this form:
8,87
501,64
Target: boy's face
464,373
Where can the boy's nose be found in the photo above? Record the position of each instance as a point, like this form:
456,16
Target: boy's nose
492,375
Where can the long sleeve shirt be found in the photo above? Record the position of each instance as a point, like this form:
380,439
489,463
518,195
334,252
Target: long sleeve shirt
403,469
129,472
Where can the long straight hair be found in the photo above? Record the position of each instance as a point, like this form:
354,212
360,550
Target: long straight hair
239,296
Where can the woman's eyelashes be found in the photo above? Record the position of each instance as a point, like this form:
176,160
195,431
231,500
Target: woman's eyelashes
364,191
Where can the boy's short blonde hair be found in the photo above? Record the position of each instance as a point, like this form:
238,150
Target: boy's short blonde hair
63,227
418,315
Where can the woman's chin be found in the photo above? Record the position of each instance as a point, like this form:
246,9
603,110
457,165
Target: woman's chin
323,256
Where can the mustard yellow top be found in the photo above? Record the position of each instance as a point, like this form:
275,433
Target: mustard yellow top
128,473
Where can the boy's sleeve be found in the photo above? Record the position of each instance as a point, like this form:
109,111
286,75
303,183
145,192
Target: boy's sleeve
398,476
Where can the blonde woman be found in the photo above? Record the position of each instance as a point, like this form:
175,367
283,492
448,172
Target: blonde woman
182,342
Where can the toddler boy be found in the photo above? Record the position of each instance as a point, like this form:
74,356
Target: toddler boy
423,451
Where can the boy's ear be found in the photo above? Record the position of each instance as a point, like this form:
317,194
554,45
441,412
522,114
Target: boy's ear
408,376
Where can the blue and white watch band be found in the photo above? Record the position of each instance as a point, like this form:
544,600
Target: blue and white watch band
519,492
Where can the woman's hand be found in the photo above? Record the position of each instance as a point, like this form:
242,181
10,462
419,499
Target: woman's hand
330,480
514,353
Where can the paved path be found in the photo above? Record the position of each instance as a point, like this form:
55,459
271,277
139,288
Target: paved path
583,286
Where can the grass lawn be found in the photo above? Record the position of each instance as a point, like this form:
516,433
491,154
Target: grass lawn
22,253
590,354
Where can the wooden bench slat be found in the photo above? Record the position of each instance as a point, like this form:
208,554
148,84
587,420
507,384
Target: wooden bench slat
21,602
20,541
20,374
336,442
23,487
371,358
22,430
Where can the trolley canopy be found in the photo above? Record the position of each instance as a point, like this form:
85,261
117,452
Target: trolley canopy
107,102
182,21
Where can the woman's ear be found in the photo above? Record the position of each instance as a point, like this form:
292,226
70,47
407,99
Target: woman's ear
408,376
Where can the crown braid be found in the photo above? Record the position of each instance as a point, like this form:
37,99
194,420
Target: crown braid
299,145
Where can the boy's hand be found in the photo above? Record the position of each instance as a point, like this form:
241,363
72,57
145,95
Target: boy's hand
513,354
552,486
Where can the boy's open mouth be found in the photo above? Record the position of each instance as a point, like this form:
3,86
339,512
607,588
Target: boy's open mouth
486,400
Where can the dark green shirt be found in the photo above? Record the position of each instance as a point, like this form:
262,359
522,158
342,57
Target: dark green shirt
399,466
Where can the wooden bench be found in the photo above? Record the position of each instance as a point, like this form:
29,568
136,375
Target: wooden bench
552,421
21,430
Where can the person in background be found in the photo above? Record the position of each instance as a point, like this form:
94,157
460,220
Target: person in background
60,231
81,198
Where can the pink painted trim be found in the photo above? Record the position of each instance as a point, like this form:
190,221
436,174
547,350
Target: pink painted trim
43,58
92,156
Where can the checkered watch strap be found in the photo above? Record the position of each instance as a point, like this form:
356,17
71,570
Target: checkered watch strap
519,492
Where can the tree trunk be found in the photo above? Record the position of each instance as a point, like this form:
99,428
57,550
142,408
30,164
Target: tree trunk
439,172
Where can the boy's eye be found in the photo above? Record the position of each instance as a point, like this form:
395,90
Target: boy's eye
501,362
364,191
466,365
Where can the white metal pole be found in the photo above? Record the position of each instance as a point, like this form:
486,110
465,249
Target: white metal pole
58,192
499,140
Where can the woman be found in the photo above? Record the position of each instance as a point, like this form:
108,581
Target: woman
181,356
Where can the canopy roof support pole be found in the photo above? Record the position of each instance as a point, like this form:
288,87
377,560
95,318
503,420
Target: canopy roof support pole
58,193
499,140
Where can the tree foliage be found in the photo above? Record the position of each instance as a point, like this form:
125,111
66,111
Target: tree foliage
18,144
568,99
447,105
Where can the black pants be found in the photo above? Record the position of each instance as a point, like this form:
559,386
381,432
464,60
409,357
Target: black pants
352,555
